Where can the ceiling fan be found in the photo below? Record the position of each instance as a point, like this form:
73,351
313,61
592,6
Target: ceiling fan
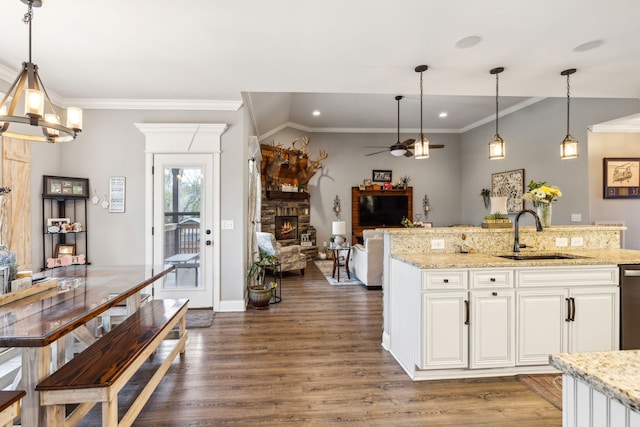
400,148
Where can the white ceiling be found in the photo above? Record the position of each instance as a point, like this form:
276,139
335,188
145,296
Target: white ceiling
347,58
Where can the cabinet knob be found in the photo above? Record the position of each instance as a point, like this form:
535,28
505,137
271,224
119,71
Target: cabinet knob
495,294
493,279
446,280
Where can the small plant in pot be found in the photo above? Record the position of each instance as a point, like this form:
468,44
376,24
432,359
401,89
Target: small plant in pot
261,291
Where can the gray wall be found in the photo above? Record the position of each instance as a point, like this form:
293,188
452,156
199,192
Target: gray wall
347,166
603,145
533,137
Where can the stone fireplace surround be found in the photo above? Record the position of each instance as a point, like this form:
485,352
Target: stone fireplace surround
276,204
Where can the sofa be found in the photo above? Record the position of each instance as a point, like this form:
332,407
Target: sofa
290,256
366,259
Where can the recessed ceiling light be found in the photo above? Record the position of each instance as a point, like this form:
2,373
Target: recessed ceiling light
593,44
443,114
316,113
469,41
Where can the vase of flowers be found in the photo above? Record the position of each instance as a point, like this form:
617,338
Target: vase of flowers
542,196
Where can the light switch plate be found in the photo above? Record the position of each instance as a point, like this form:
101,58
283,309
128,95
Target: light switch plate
227,224
576,217
577,241
437,244
562,242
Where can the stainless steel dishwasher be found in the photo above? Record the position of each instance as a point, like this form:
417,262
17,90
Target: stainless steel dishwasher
629,307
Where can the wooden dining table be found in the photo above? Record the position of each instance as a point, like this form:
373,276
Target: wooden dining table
44,324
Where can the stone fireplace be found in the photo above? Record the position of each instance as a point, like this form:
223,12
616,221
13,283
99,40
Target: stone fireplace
287,216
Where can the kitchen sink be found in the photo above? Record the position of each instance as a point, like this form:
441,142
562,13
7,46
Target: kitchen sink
533,257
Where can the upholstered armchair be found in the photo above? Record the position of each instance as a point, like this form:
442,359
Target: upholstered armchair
366,259
290,256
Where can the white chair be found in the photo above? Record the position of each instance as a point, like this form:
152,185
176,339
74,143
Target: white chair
290,256
366,259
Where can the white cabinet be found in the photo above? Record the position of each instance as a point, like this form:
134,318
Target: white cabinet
444,333
492,335
553,318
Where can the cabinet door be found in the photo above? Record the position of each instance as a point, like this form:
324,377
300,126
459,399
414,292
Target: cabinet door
542,325
595,326
444,333
492,331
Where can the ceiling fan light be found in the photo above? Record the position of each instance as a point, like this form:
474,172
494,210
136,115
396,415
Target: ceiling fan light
397,152
421,148
569,148
496,148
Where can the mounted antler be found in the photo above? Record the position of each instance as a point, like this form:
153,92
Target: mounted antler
305,142
274,157
304,175
316,163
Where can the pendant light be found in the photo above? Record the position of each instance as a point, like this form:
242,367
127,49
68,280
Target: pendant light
496,147
421,144
38,109
398,149
569,146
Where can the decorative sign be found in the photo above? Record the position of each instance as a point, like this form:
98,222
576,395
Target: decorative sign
621,178
117,185
511,185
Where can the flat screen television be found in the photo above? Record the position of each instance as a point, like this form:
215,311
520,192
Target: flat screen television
381,211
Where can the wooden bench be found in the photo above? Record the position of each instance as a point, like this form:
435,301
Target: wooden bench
101,371
10,406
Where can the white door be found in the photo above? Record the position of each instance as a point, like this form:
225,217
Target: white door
183,221
594,326
493,319
542,325
445,334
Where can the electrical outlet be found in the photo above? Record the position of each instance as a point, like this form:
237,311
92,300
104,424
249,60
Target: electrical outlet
576,217
437,244
577,241
227,224
562,242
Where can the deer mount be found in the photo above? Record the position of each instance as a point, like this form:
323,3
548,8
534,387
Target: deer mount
289,166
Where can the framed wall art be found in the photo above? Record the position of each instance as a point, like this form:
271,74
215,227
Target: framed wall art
511,185
621,178
65,249
65,187
381,176
117,187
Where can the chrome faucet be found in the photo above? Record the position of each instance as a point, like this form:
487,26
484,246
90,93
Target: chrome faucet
516,234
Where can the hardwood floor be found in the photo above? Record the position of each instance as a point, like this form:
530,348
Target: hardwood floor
316,359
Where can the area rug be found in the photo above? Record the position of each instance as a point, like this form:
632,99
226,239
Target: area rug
199,318
326,268
547,386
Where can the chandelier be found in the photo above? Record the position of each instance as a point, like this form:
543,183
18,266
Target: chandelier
38,109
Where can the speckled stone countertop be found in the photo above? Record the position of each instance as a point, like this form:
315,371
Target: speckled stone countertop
614,373
483,260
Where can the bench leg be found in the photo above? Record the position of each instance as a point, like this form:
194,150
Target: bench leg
55,415
110,413
183,330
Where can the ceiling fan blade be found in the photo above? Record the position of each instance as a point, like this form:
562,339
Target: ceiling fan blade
436,146
408,142
408,154
374,146
377,152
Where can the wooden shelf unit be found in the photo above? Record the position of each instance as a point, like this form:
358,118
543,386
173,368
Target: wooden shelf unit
356,228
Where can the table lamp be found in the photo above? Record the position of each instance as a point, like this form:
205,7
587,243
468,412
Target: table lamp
338,229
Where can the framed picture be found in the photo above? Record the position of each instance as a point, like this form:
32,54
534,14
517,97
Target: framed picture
367,182
63,249
511,185
381,176
621,178
58,221
362,187
65,187
117,185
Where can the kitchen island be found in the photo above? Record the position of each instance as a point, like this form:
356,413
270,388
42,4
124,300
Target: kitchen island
455,315
600,388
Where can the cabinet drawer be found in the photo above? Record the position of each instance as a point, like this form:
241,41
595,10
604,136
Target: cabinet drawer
444,279
567,276
491,278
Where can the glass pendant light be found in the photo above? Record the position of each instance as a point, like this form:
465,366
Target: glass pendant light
496,147
569,146
421,144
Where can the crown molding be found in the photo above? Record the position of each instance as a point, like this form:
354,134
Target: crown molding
155,104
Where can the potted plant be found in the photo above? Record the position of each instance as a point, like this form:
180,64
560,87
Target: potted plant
261,291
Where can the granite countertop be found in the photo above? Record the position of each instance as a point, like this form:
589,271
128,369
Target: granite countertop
614,373
483,260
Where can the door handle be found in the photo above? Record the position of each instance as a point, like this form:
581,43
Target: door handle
573,309
568,319
466,304
208,243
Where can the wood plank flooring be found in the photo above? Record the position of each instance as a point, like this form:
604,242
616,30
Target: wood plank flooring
316,359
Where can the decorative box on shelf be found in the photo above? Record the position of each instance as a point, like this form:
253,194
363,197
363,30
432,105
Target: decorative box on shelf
496,224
